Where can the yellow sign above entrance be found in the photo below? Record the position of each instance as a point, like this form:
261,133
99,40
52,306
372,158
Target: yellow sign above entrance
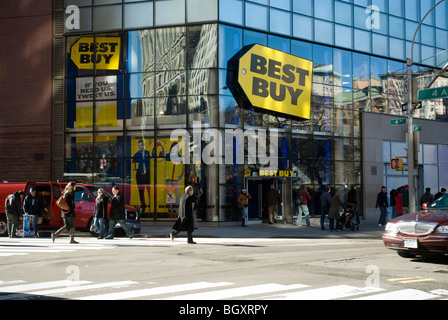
271,80
101,53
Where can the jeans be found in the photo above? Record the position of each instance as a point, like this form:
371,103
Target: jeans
323,213
303,209
245,213
338,224
383,215
112,224
99,224
12,224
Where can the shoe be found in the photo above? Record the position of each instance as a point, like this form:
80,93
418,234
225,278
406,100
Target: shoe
322,228
74,242
109,238
191,242
171,237
131,236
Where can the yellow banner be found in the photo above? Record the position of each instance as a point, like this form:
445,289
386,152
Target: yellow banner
102,54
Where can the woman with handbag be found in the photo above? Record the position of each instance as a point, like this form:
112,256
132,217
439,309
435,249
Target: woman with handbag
334,214
68,215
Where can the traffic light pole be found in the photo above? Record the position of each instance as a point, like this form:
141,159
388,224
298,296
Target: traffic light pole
411,109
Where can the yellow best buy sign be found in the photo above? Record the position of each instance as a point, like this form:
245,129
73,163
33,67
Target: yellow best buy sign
271,80
101,53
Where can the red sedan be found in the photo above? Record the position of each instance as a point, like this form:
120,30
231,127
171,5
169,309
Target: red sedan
421,233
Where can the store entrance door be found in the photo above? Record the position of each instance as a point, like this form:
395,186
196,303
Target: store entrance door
258,188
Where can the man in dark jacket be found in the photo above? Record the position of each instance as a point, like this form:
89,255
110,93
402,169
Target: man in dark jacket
33,205
13,206
426,198
117,214
381,202
272,200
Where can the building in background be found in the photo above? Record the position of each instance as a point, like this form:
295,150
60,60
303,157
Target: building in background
118,77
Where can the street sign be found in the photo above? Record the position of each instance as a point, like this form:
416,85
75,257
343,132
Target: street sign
397,122
431,94
417,128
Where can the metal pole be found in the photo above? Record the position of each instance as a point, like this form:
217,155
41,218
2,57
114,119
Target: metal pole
410,132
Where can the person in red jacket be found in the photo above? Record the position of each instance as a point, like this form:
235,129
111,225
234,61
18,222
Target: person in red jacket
398,203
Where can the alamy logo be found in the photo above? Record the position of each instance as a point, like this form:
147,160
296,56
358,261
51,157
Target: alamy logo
373,20
73,20
219,148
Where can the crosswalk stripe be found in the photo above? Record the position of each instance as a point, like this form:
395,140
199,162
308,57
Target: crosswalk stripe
155,291
406,294
238,292
327,293
41,285
73,288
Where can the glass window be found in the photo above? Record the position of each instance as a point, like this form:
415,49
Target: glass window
281,4
324,32
412,10
397,49
323,9
362,40
343,13
430,154
303,27
443,154
138,15
170,12
230,42
303,7
231,11
202,10
396,27
380,45
170,52
280,22
279,43
256,16
99,2
343,73
396,7
85,23
107,18
443,177
425,7
302,49
251,37
429,34
343,36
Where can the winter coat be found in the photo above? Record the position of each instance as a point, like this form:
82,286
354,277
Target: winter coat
398,203
334,209
14,206
273,198
101,207
117,208
186,220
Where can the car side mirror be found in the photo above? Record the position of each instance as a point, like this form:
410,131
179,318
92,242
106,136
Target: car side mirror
84,196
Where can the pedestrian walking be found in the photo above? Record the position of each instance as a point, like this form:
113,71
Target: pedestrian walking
393,194
186,220
381,202
68,215
100,212
334,213
13,208
33,205
439,194
302,200
273,199
117,214
243,205
325,203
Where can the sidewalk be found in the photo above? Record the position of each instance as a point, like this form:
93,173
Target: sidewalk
368,229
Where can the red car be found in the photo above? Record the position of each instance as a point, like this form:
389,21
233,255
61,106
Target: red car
422,233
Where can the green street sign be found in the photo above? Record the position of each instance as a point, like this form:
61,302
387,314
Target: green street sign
431,94
417,128
397,122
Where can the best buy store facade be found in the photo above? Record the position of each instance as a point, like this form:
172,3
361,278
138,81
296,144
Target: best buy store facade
310,84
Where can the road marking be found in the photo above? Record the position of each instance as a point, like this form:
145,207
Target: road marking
155,291
327,293
411,280
238,292
41,285
406,294
70,289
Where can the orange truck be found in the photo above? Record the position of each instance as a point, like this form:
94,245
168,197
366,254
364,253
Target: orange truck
50,191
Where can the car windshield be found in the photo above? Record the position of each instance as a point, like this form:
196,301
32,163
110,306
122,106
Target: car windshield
441,203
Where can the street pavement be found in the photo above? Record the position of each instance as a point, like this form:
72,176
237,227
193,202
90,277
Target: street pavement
368,229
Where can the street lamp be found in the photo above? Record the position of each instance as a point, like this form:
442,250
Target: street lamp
411,110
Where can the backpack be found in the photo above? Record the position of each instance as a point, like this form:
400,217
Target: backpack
299,200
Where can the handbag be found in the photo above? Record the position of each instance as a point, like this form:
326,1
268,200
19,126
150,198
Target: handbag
62,203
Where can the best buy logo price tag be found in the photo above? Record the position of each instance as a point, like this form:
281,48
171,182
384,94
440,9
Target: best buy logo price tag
271,80
101,53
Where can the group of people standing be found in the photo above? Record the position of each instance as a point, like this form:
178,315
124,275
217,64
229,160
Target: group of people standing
399,202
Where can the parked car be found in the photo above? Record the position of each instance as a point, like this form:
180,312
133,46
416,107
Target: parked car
421,233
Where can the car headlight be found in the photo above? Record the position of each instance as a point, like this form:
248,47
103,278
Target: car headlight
391,228
442,229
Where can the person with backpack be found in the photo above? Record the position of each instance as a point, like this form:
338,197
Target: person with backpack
13,208
302,202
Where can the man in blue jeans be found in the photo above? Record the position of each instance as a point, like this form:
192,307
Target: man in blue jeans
325,203
302,207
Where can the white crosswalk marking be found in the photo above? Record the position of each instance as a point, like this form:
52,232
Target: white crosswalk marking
67,289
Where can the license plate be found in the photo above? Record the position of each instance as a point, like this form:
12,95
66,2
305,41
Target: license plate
410,243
